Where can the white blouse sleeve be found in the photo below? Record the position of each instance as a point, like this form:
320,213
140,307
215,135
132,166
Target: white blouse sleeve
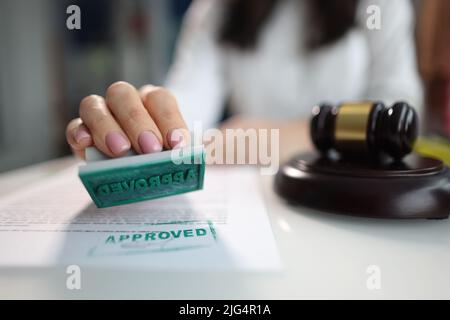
393,73
197,76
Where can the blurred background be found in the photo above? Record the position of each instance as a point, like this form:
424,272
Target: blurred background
46,69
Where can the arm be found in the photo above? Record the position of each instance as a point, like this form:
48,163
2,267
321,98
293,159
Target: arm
393,73
197,76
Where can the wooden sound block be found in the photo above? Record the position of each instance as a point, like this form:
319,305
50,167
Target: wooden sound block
416,187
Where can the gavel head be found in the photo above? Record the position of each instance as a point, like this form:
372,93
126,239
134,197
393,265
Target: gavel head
365,128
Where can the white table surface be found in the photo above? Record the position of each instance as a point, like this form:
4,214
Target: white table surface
324,256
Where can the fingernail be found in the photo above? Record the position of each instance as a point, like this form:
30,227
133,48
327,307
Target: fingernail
117,143
176,139
149,143
81,134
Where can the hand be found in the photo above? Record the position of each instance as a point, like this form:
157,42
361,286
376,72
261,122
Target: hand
293,133
147,120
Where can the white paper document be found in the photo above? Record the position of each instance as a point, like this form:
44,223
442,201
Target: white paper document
223,227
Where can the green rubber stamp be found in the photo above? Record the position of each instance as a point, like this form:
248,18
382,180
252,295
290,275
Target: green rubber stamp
133,178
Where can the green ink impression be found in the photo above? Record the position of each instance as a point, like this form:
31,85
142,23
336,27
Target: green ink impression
144,177
155,235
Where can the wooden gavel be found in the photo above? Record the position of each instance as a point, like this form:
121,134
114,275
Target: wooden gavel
365,128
